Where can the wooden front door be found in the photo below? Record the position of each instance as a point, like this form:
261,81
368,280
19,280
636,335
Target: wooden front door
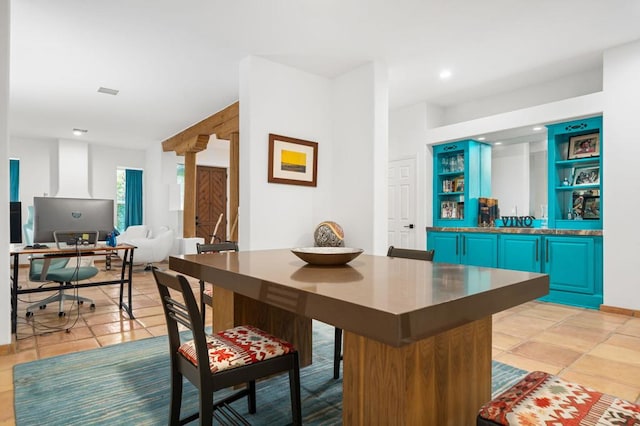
211,201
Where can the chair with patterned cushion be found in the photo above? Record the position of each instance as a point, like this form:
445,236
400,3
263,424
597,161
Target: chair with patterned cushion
229,358
206,291
543,399
56,268
391,252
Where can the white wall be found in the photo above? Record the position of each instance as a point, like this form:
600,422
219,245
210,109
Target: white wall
621,151
360,160
5,290
588,81
510,179
345,117
284,101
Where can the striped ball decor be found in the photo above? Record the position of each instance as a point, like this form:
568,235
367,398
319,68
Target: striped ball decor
328,234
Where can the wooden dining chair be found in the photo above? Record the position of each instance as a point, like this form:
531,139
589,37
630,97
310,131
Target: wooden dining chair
206,290
240,355
391,252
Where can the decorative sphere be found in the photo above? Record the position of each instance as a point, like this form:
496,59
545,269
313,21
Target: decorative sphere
329,234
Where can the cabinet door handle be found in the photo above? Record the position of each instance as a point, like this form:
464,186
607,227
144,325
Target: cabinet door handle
456,245
464,245
537,251
547,252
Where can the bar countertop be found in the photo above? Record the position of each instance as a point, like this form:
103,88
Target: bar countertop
515,230
392,300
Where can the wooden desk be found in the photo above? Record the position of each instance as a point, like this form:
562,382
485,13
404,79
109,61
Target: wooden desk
417,342
125,273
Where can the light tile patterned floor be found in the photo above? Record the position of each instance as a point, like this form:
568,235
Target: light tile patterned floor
596,349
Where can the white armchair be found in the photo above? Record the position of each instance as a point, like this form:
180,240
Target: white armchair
149,248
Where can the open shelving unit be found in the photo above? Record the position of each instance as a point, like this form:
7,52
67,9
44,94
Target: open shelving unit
462,175
575,174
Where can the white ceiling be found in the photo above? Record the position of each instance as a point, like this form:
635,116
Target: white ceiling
176,62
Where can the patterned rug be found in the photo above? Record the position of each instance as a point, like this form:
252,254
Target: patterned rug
129,384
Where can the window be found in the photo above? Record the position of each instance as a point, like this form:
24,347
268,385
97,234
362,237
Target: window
128,198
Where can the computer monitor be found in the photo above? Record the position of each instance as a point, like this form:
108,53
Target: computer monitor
69,215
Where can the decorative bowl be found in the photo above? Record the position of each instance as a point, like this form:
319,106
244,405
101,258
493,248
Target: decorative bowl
327,255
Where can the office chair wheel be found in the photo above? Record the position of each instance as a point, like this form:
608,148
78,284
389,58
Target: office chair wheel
92,306
61,314
80,302
42,306
29,314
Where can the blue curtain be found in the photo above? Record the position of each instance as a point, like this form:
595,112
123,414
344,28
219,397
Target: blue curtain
133,198
14,180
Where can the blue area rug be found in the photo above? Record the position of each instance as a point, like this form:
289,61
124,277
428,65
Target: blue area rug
129,384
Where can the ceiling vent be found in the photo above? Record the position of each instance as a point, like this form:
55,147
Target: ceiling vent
108,91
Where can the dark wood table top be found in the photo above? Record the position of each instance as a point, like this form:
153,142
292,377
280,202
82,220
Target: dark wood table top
395,301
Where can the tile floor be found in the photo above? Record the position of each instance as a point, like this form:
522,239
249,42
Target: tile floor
596,349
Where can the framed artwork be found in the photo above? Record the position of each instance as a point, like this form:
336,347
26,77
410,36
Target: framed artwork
591,207
584,146
586,176
578,204
292,161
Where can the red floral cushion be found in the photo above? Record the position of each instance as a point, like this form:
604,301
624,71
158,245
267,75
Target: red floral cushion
236,347
543,399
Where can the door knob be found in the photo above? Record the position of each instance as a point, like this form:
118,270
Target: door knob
410,226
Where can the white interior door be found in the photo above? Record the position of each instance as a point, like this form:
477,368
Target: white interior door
402,203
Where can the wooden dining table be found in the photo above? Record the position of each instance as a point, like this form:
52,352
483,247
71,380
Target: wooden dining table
417,335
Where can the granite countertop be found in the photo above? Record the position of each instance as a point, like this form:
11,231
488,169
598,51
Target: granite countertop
528,231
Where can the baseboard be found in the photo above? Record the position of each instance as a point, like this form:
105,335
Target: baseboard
10,348
621,311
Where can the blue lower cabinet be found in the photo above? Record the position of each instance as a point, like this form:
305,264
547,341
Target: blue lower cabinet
479,249
468,248
520,252
446,246
574,265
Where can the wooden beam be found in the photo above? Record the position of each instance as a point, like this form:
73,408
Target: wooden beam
204,127
189,217
234,184
195,144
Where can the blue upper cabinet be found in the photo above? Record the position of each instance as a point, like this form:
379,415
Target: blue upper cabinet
462,174
575,174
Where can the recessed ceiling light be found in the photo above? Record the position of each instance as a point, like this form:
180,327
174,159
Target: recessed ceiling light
497,143
481,138
445,74
108,91
537,129
79,132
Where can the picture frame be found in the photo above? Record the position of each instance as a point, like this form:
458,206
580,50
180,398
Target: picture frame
292,161
591,207
458,184
584,146
448,210
584,176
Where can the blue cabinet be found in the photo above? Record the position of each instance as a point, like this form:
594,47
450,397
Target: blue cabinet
462,174
520,252
574,265
468,248
575,174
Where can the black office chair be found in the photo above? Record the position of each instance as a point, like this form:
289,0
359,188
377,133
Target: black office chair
392,252
206,291
232,357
